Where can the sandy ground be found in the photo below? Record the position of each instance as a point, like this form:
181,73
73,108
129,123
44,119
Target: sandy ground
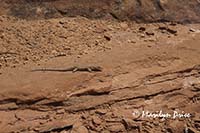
146,68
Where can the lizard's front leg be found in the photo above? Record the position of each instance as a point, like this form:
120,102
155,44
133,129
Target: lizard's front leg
89,69
75,69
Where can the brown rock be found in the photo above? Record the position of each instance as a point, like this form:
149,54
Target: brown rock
54,52
96,120
61,111
194,30
8,106
106,131
80,129
124,25
101,111
57,125
142,29
163,28
149,11
150,33
67,48
176,126
64,132
130,124
131,41
116,127
192,130
61,54
107,37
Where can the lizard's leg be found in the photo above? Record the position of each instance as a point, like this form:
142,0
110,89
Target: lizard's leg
75,70
89,69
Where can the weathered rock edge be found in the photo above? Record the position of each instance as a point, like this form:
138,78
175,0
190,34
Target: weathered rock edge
183,11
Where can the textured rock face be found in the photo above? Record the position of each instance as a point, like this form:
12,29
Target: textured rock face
164,10
138,10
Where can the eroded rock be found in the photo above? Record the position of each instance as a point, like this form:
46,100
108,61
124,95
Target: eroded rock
137,10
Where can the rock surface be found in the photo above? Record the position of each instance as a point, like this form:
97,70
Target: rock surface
138,10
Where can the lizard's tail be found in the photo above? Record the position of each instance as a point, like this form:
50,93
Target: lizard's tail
48,69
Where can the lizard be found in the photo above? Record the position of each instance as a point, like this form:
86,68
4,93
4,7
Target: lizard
73,69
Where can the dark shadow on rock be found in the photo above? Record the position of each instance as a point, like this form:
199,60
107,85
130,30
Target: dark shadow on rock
134,10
